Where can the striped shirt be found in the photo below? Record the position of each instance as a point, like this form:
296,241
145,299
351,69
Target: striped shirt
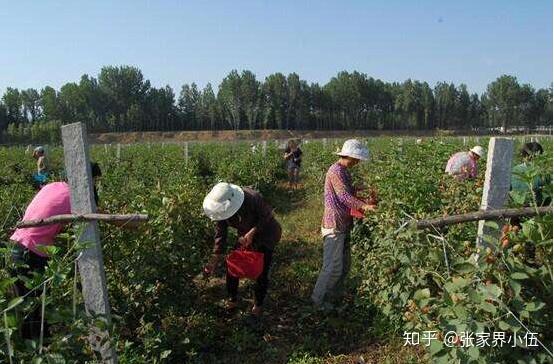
339,199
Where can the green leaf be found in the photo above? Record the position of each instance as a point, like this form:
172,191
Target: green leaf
516,287
519,275
435,347
534,306
504,326
492,291
492,224
486,306
474,296
473,352
165,354
464,267
460,312
5,283
421,294
459,282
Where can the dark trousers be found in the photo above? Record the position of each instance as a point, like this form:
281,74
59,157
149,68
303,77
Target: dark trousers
35,263
262,283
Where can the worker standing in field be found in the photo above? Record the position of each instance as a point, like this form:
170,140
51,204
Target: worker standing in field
339,199
293,157
41,176
28,249
463,165
245,210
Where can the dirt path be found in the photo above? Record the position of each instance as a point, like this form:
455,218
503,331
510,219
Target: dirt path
291,330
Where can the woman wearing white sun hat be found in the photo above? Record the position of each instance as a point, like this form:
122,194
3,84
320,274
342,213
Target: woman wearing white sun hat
463,165
339,199
242,208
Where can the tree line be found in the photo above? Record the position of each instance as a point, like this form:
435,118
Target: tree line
120,99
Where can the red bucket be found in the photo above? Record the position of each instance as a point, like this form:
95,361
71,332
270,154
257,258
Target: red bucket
245,264
356,213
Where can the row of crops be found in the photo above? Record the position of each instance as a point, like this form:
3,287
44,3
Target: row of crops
411,281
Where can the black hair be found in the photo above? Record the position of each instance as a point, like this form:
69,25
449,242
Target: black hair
531,149
95,168
96,172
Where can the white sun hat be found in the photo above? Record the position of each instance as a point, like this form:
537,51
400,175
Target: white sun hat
223,201
39,149
479,150
355,149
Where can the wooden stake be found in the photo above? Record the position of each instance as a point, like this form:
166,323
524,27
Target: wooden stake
61,219
483,215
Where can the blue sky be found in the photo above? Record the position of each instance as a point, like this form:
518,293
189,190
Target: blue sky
175,42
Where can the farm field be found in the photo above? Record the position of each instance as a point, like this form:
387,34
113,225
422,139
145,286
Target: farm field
402,279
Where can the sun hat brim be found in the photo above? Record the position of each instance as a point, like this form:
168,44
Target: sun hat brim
477,152
236,203
359,157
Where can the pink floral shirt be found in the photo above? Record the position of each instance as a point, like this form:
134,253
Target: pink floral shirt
462,166
339,199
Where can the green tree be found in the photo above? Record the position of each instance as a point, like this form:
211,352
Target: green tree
476,112
3,118
347,94
209,108
72,103
123,87
49,104
543,107
428,105
504,101
275,99
13,104
189,105
30,99
161,111
250,94
230,99
461,107
445,104
94,109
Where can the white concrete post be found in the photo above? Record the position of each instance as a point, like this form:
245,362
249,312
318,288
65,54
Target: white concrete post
264,147
106,148
118,152
497,183
186,152
91,262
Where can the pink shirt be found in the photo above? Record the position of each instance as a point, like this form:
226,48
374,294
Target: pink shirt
462,166
339,199
52,199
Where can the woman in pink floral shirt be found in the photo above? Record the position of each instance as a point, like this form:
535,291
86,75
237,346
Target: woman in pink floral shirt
463,165
337,222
